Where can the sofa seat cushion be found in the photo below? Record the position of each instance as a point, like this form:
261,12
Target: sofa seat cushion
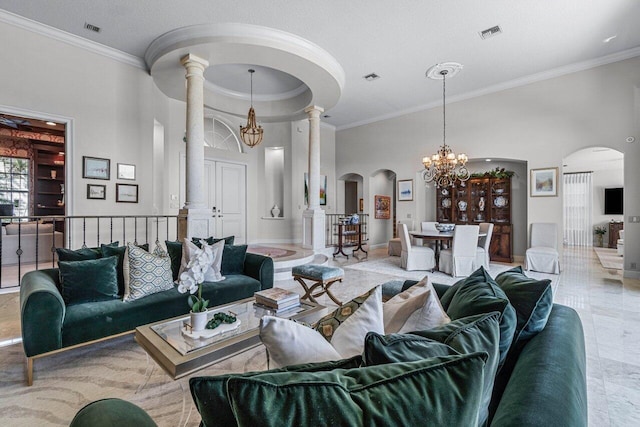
90,321
210,393
439,391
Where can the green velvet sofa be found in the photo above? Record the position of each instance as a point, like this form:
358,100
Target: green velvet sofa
48,325
541,383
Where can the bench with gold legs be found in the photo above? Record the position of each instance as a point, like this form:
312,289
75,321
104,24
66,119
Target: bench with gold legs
321,276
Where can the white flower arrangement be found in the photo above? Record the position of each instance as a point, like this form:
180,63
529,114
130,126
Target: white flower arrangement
191,279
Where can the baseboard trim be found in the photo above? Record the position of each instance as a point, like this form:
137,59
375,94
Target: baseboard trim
631,274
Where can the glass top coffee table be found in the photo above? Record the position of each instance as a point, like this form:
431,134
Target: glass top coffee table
171,345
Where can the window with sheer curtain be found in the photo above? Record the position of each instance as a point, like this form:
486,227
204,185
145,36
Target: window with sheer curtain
578,209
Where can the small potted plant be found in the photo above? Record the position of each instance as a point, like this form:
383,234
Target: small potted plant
191,280
600,230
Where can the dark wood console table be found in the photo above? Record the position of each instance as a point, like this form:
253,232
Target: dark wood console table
614,233
347,233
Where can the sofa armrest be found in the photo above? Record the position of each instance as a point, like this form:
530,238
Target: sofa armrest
548,384
259,267
42,312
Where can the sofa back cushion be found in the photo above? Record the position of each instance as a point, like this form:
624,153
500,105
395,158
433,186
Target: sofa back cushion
119,251
407,394
27,228
233,259
89,280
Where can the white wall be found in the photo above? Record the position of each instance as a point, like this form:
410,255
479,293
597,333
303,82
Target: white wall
540,123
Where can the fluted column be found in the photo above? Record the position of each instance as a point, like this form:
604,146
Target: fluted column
313,218
195,215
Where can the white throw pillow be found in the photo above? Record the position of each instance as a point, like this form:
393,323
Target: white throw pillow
430,315
213,273
398,309
292,343
145,273
338,335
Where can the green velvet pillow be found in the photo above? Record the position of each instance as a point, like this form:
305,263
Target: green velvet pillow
439,391
77,255
233,259
210,393
89,281
446,298
119,251
175,253
478,294
532,299
463,336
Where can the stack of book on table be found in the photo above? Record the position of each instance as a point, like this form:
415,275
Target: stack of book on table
277,299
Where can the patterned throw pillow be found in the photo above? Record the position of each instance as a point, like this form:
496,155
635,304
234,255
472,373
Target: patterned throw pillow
146,273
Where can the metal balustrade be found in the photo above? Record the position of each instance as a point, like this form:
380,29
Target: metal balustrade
21,247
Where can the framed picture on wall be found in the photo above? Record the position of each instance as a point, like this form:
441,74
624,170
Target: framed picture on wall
96,168
361,205
126,171
323,189
96,191
127,193
544,182
405,190
383,207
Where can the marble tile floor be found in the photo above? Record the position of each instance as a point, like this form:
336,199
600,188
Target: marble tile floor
608,305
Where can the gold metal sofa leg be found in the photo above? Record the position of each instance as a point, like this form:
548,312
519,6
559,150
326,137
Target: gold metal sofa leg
29,370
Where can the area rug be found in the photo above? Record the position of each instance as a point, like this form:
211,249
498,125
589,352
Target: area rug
609,258
270,251
66,382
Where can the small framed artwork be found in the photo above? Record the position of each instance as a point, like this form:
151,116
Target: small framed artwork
405,190
127,193
96,168
96,191
544,182
126,171
383,207
361,205
323,189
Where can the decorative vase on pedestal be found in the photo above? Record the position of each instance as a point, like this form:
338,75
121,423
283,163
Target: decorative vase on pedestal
198,321
275,211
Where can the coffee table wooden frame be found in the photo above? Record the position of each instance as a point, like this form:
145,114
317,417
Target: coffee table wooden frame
178,365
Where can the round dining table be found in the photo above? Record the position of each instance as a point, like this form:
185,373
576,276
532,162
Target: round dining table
439,237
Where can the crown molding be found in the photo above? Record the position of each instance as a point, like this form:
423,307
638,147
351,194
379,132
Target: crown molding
511,84
71,39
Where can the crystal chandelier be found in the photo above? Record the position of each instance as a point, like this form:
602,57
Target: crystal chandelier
251,134
444,168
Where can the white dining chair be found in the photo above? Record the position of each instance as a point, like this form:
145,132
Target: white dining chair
543,254
414,257
484,242
426,226
460,259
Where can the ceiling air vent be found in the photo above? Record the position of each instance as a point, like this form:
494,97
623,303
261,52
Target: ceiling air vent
92,27
371,77
490,32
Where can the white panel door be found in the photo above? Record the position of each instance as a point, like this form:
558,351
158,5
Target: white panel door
230,192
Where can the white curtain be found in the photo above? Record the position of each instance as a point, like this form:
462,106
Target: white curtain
578,209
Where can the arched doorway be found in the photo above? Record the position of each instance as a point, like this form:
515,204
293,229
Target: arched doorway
352,187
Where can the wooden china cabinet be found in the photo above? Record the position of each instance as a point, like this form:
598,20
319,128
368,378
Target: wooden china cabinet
483,199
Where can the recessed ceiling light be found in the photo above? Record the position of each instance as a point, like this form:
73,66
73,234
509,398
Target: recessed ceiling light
50,123
371,77
490,32
608,39
487,160
92,27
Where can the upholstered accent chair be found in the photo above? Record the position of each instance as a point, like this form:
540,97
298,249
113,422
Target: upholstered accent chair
482,251
543,255
620,243
460,259
414,257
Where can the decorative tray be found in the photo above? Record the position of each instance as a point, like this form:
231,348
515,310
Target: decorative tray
208,333
500,202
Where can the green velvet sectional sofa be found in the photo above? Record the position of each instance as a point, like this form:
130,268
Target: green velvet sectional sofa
541,380
49,325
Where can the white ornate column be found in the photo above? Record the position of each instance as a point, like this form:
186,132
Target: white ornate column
313,218
195,215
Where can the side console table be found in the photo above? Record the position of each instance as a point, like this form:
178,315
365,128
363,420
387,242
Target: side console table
349,235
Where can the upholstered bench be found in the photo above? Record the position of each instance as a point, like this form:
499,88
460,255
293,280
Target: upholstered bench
323,277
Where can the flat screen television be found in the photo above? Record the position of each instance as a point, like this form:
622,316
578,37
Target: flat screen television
613,202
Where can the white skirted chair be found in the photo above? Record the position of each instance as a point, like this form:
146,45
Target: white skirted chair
394,248
414,257
426,226
460,259
482,251
543,255
620,243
